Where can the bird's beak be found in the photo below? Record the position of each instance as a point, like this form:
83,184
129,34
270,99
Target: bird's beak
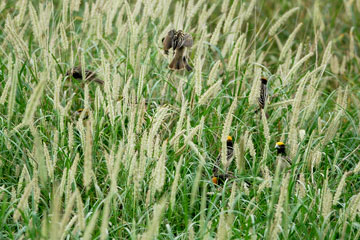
277,146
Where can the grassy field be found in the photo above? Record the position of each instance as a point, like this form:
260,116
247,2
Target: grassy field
137,162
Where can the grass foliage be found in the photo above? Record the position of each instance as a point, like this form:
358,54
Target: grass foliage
137,162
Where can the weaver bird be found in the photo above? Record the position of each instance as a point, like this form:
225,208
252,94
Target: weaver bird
90,76
263,94
182,39
220,178
78,113
180,42
180,62
168,40
282,159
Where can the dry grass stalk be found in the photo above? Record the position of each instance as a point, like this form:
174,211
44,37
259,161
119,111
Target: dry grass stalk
153,228
340,188
91,225
175,183
159,173
23,201
88,157
276,225
281,21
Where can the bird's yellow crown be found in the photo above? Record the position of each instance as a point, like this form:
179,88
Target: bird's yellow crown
229,138
280,144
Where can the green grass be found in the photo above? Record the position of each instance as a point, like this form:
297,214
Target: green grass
43,192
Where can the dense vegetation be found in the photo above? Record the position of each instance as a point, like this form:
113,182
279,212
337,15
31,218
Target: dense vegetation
137,161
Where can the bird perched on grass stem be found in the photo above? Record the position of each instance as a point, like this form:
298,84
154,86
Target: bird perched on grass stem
90,76
282,159
263,94
182,39
178,41
221,178
180,62
168,40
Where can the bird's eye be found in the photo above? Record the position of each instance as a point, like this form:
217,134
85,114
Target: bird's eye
162,40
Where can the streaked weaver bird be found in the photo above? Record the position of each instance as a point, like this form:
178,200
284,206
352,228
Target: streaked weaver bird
90,76
168,40
263,94
179,43
181,39
221,178
282,157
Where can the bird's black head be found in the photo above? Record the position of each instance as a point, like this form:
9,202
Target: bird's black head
264,80
76,75
74,72
229,141
220,179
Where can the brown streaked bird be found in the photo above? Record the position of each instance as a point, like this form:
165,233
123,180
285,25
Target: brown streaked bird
187,66
168,40
182,39
263,94
90,76
180,42
179,61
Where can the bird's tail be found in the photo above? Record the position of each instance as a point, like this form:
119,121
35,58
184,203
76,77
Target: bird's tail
259,111
177,63
187,66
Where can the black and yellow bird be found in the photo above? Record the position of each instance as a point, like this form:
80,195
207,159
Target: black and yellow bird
282,159
217,178
280,147
90,76
221,179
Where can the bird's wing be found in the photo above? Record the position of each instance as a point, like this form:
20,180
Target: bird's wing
89,74
187,41
167,42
